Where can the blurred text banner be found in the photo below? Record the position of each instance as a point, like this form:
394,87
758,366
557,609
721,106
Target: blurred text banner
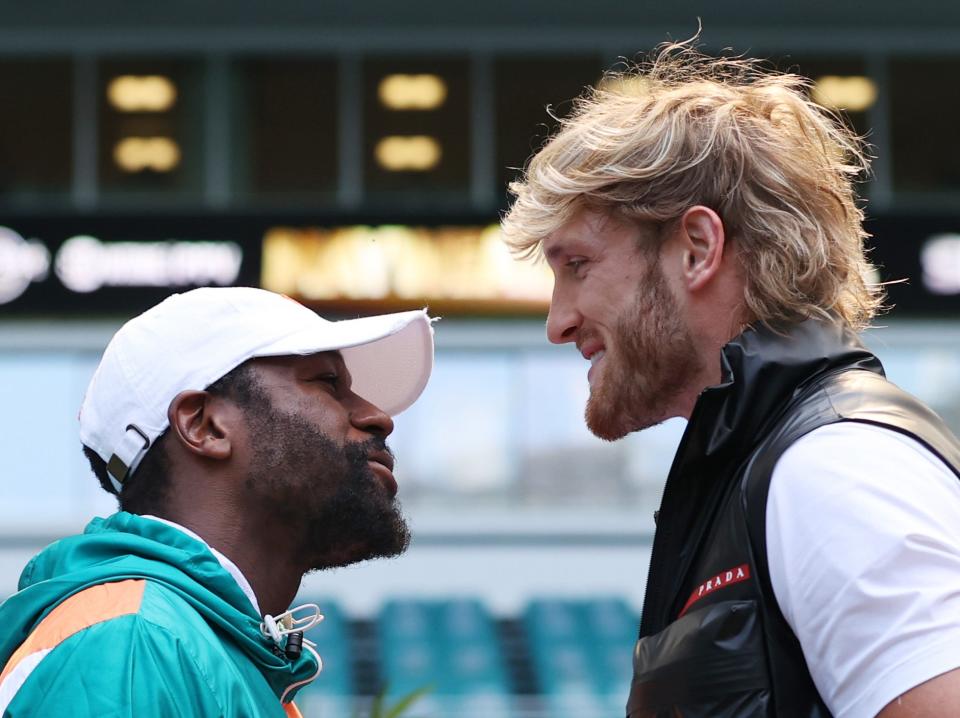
94,265
454,268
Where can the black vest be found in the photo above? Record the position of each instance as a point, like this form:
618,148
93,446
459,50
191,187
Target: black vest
712,639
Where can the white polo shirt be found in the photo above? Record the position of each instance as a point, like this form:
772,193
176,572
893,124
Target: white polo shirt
863,538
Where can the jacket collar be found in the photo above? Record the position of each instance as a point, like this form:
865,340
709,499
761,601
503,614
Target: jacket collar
227,565
128,546
762,370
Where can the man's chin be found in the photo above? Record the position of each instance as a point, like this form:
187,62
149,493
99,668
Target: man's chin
611,420
605,422
384,545
356,555
605,417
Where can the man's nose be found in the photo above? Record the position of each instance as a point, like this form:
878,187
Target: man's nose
370,418
563,320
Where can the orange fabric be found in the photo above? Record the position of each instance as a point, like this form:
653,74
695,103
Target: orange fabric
292,710
82,610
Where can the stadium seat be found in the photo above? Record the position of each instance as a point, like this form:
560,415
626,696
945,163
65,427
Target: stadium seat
581,654
452,647
332,692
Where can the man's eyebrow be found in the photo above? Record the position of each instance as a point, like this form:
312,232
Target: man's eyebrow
337,357
553,251
331,355
328,354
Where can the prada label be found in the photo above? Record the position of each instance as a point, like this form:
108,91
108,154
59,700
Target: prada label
716,582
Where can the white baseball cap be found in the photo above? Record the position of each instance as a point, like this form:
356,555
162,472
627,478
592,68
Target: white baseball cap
190,340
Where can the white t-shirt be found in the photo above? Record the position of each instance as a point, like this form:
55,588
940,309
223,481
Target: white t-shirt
863,539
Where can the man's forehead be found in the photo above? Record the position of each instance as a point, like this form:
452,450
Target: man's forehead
584,226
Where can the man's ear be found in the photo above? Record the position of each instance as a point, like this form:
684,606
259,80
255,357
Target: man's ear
200,424
703,244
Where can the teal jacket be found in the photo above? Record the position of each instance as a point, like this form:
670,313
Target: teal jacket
136,618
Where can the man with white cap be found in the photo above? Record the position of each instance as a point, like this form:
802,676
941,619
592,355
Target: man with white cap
245,439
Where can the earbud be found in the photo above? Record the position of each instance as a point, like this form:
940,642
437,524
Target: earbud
294,646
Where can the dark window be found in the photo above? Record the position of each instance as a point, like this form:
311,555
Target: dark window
925,105
840,84
151,121
36,143
416,127
525,88
287,124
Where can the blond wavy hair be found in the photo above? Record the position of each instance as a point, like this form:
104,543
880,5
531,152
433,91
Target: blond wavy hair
685,129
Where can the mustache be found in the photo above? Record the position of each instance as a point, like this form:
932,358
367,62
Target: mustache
362,449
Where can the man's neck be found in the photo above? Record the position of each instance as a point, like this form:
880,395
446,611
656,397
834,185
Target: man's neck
228,565
260,555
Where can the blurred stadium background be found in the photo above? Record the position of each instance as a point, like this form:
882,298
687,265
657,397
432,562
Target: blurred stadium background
356,155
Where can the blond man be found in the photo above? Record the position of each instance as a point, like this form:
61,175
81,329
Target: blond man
701,222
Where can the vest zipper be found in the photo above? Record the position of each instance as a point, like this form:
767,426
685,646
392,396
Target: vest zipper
661,535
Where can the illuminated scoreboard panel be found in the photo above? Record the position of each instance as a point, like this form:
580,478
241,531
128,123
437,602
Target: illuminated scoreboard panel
395,263
119,266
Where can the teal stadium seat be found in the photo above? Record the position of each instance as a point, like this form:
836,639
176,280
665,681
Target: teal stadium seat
581,655
452,647
614,628
331,694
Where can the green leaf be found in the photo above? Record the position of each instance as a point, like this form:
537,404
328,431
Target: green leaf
408,700
377,709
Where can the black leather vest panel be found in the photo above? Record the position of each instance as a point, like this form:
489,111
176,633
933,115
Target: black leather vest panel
713,641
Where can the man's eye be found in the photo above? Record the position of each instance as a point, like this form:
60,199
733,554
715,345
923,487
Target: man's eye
331,379
575,264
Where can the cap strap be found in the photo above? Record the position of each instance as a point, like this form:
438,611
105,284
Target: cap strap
127,456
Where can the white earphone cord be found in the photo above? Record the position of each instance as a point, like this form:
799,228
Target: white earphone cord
277,627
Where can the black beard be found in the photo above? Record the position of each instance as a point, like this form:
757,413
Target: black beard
325,496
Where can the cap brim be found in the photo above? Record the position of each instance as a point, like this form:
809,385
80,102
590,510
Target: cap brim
389,357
